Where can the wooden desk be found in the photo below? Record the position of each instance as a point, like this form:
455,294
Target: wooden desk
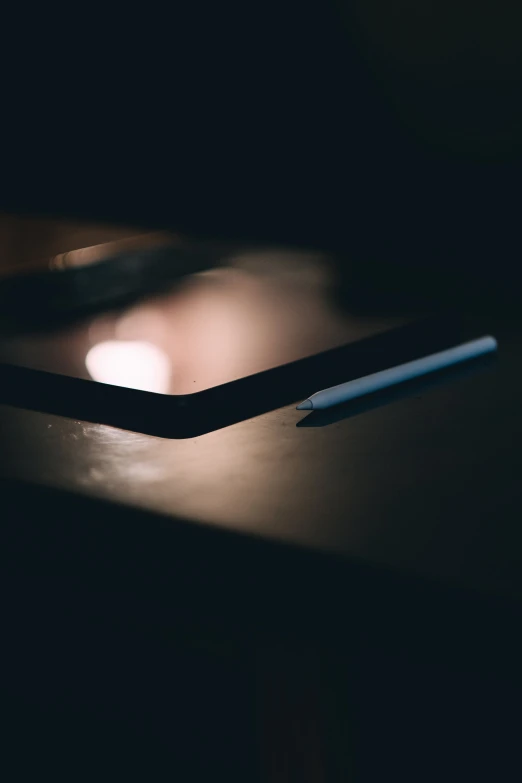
374,555
426,485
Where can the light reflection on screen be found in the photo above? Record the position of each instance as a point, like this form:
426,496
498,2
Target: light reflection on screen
136,365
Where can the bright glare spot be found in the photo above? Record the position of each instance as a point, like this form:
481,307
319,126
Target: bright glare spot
137,365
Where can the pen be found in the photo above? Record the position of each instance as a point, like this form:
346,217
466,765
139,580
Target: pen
402,372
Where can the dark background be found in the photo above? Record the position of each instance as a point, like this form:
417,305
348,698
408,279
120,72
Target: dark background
386,132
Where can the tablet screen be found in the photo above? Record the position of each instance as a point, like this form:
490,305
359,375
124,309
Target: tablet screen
250,311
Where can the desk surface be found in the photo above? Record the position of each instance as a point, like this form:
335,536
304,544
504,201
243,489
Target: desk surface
426,482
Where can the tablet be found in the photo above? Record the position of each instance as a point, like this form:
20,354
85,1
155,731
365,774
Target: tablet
257,330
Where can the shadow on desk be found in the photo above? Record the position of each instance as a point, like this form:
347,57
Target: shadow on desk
133,641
